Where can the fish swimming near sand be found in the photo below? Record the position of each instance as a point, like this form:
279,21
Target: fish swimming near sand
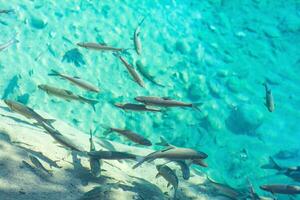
185,169
269,98
169,175
77,81
27,112
61,139
172,153
111,155
254,196
67,95
164,102
136,38
281,189
35,161
136,107
226,190
98,47
95,164
141,68
132,136
131,71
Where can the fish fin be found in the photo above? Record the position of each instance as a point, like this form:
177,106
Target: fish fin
166,98
54,73
158,175
50,121
76,77
169,184
140,161
68,92
197,105
107,131
168,148
91,102
271,165
163,142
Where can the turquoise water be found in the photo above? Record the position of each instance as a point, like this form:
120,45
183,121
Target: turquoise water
216,52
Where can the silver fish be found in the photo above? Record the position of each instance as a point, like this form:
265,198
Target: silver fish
136,107
131,71
67,95
136,38
269,99
281,189
169,175
111,155
172,153
27,112
134,137
254,196
95,164
8,44
99,47
77,81
163,102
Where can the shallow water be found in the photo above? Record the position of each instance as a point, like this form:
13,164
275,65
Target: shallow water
218,52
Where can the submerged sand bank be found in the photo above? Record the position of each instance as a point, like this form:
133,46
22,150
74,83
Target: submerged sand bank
71,177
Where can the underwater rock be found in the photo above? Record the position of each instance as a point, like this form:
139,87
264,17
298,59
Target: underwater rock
245,119
37,23
182,47
75,57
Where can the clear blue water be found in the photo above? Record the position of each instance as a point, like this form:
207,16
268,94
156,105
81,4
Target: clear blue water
218,52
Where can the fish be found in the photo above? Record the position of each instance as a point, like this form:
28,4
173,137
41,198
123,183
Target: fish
140,67
8,44
287,154
134,137
163,102
225,190
131,71
281,189
136,107
77,81
172,153
269,98
67,95
12,85
199,162
27,112
95,164
254,196
292,172
35,161
169,175
136,38
111,155
99,47
61,139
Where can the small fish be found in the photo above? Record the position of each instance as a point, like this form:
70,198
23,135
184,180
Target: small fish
99,47
169,175
95,164
111,155
225,190
134,137
254,196
35,161
77,81
163,102
172,153
281,189
136,107
27,112
131,71
287,154
61,139
140,67
67,95
269,98
8,44
136,38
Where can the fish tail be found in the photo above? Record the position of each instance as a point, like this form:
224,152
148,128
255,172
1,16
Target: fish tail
197,106
163,142
91,102
272,165
50,121
54,73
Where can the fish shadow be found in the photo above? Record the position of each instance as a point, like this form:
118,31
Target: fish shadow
74,56
18,120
